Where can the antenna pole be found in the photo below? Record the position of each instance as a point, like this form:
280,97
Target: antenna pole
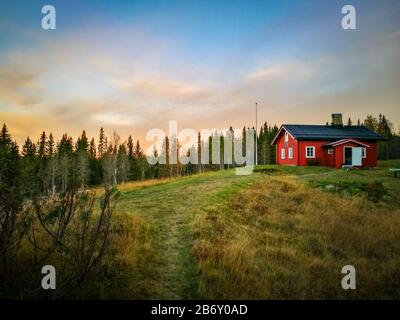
256,135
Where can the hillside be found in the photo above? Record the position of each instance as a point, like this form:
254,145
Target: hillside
283,232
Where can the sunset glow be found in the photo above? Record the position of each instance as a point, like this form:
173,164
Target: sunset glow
133,66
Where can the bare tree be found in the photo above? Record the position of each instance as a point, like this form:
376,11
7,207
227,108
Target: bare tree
77,232
122,164
82,168
115,141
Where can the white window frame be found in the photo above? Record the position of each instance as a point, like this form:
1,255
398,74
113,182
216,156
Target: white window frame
330,151
283,153
313,152
290,153
364,153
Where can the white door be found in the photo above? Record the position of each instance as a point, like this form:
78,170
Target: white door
357,156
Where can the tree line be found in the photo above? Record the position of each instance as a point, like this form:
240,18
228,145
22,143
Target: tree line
46,220
390,148
48,166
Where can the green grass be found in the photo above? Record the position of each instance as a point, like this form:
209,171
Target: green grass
168,269
293,170
347,182
278,233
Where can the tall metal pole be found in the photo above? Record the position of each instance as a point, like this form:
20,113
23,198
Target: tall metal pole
256,136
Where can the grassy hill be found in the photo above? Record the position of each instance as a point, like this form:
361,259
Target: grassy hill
282,232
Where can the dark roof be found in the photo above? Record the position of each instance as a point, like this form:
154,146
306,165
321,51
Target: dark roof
324,132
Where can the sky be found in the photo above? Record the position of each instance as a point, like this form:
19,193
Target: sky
131,66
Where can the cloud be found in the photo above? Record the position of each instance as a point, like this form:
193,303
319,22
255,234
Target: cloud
19,86
280,71
23,125
160,87
111,119
127,80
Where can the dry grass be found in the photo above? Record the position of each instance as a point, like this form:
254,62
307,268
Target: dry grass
283,239
115,277
129,244
277,234
129,247
132,185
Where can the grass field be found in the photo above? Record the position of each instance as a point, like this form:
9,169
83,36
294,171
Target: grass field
282,233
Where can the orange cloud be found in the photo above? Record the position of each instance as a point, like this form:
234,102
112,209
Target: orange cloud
292,70
18,86
161,87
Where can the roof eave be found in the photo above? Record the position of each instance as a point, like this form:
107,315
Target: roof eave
284,126
336,138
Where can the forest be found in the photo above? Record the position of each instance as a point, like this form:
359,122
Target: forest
48,166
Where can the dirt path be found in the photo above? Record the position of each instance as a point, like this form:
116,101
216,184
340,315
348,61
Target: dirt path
169,208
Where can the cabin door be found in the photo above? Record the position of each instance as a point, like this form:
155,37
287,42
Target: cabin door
348,156
352,156
357,156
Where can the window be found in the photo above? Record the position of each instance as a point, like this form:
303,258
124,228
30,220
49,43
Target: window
363,153
282,153
290,153
286,139
310,152
330,151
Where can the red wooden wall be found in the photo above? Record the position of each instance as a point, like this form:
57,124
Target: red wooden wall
292,143
321,153
369,161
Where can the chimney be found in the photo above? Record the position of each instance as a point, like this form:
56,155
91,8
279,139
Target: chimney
337,119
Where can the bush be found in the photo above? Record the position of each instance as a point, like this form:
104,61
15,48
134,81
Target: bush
266,170
71,232
374,191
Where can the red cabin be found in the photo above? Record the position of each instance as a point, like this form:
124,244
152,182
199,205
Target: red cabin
330,145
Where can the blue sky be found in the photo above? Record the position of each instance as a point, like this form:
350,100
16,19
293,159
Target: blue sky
134,65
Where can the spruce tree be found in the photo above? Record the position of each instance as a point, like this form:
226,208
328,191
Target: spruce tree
52,163
122,164
64,155
349,122
139,162
130,146
82,160
92,149
30,169
94,164
11,199
102,146
42,160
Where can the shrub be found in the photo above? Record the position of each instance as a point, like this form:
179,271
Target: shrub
266,170
374,191
71,231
